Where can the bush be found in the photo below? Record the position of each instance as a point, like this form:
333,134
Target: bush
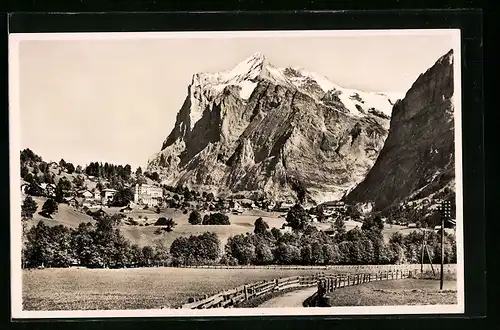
195,218
49,207
216,219
260,226
169,223
28,208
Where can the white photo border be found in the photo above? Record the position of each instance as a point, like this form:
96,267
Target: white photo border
15,196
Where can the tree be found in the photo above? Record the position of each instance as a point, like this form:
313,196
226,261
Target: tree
28,156
28,208
168,223
216,219
242,249
49,207
340,229
195,218
64,185
276,233
127,172
62,163
123,197
70,168
79,182
34,189
297,218
78,169
260,226
194,250
138,172
24,171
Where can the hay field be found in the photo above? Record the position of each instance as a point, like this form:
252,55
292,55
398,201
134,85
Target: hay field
135,288
396,293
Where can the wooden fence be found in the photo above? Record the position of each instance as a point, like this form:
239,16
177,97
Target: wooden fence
352,268
332,282
242,293
326,283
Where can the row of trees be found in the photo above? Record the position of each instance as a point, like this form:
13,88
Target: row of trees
102,245
312,247
108,171
90,245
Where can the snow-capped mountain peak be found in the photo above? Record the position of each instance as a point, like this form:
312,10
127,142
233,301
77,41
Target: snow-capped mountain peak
249,72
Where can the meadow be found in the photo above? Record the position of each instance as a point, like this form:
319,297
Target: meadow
396,293
134,288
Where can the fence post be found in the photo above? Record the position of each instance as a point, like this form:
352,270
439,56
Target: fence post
245,289
348,279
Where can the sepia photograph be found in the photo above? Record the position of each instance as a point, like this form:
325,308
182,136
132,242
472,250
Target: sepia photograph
235,173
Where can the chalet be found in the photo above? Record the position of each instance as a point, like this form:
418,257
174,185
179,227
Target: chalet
412,225
437,228
85,194
108,195
53,165
285,207
271,205
329,208
126,209
74,201
48,189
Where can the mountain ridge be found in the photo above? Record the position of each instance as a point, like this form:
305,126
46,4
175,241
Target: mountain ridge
288,125
419,153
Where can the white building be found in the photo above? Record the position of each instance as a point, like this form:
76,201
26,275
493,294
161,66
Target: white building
148,195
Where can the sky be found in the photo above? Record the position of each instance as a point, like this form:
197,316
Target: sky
116,100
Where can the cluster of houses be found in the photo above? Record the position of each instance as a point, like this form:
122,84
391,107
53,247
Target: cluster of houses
90,199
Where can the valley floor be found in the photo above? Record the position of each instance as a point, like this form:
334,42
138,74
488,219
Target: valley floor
137,288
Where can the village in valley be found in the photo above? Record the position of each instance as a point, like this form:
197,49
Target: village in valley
94,193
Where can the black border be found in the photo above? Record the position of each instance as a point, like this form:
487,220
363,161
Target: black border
470,23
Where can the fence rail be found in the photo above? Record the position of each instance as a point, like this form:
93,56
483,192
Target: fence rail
329,267
232,297
332,282
325,283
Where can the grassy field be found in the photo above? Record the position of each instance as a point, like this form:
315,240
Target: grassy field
395,292
138,288
66,215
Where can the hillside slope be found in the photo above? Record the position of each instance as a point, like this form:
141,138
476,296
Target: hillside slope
418,158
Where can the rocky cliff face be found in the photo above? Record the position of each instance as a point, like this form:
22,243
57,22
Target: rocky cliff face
262,128
417,159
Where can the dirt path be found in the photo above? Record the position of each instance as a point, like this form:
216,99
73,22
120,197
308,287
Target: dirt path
290,299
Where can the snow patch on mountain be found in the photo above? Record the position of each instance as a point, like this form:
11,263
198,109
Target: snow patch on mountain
353,100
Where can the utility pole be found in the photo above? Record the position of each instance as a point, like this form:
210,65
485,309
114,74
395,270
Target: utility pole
445,214
423,251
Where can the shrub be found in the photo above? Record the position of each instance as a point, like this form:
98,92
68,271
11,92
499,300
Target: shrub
169,223
216,219
49,207
28,208
260,226
195,218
